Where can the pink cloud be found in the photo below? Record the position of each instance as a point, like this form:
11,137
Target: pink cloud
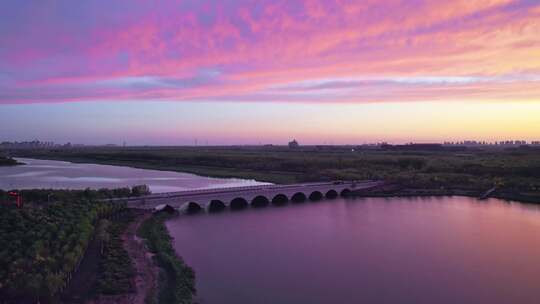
209,50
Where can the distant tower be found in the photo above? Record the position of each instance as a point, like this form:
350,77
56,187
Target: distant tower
293,144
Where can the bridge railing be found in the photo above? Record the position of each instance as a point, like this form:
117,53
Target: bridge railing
241,189
244,188
159,199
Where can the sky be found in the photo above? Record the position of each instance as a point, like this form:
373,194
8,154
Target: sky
250,72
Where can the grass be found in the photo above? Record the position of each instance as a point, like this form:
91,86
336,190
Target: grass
176,280
517,169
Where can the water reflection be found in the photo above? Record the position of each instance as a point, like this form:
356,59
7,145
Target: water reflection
368,250
66,175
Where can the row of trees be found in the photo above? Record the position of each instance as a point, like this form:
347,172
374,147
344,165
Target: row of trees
116,269
41,246
40,197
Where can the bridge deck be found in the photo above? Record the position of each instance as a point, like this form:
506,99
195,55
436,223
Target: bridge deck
204,197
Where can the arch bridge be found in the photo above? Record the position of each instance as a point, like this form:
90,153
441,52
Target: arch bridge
256,196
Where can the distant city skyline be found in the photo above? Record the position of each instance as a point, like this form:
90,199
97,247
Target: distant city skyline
243,72
36,143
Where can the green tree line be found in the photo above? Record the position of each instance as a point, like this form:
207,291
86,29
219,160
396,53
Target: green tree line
42,245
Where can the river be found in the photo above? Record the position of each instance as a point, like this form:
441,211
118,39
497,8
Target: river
369,250
52,174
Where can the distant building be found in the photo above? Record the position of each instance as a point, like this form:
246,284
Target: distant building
412,147
293,144
36,144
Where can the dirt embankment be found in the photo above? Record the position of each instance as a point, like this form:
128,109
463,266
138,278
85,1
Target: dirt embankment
146,271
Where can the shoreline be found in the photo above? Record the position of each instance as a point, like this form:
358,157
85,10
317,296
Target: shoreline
203,171
401,192
9,162
176,280
415,192
168,266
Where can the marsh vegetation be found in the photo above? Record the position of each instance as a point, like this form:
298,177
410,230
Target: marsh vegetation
515,172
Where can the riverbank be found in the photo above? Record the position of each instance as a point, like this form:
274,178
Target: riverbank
159,275
394,190
176,279
207,171
6,161
135,265
510,170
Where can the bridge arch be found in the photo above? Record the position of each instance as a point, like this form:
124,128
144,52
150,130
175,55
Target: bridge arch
331,194
315,196
239,203
345,192
298,197
216,206
260,201
280,199
193,207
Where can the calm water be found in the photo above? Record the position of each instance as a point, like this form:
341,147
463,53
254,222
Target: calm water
65,175
376,250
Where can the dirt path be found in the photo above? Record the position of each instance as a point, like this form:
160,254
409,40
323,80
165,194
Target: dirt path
146,272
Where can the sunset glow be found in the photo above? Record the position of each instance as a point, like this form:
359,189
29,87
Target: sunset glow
264,71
